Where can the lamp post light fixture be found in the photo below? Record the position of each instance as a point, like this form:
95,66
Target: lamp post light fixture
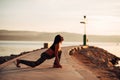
84,36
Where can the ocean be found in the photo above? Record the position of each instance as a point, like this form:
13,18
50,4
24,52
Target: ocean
16,47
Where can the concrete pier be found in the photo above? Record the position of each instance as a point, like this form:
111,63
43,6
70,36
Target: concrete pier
45,71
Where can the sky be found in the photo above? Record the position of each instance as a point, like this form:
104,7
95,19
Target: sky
102,16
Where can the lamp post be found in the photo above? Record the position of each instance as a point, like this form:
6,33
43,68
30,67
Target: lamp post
84,36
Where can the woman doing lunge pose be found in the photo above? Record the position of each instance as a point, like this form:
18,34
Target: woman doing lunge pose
53,51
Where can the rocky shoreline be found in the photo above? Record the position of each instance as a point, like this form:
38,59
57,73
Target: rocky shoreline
4,59
99,61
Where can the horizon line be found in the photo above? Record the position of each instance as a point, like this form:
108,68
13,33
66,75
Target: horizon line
61,32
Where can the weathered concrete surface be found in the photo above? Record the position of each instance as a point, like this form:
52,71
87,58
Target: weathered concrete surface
8,70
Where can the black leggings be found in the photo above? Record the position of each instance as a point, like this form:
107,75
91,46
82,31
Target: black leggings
43,57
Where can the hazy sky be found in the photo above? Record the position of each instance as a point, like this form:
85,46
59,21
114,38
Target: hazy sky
103,16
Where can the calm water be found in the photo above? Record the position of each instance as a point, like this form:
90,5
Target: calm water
16,47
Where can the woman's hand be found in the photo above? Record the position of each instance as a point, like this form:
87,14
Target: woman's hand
57,66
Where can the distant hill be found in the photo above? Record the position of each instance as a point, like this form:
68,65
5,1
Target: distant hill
47,36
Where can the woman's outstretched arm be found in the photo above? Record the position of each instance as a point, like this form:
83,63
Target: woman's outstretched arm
56,54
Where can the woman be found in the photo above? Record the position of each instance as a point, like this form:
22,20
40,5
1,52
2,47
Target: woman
53,51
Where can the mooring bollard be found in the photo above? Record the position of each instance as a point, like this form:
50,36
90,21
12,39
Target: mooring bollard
47,45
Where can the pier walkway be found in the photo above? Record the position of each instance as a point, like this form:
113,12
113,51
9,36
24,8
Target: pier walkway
8,70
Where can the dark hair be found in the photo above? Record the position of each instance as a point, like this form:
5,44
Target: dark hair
58,38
